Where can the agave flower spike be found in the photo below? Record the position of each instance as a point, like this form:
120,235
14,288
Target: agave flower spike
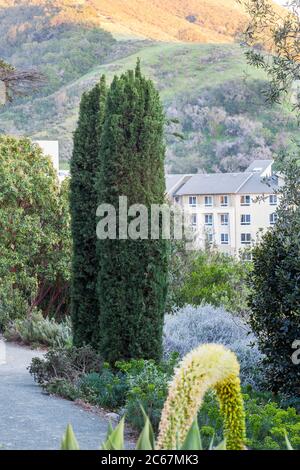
210,366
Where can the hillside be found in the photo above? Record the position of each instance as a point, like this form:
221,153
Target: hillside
215,96
204,21
208,88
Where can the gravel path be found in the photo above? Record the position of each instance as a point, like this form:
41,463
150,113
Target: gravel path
30,419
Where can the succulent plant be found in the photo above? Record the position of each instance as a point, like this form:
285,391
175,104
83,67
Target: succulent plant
210,366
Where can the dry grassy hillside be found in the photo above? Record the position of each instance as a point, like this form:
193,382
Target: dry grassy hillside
176,20
164,20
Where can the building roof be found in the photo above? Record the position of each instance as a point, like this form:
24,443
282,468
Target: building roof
214,183
175,182
226,183
172,181
259,166
258,185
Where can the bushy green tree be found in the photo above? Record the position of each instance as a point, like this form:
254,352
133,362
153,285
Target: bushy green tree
275,290
132,280
216,279
272,37
83,202
34,233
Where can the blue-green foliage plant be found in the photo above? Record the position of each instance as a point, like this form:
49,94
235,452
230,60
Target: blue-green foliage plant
191,326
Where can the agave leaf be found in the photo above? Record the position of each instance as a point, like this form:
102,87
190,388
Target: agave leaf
288,444
109,430
146,439
108,434
221,446
193,438
69,441
143,442
115,439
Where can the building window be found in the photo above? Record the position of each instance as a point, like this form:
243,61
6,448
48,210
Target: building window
273,200
177,199
246,256
194,220
208,219
224,238
208,201
193,201
245,200
246,238
273,218
210,238
245,219
224,201
224,219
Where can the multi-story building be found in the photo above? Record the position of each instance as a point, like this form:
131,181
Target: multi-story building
51,149
228,210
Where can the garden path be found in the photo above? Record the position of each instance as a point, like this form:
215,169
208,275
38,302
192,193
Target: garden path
31,419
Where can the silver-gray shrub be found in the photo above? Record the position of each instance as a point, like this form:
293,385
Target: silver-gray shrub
190,326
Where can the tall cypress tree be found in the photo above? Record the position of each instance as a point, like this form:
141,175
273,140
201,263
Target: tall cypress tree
85,162
132,279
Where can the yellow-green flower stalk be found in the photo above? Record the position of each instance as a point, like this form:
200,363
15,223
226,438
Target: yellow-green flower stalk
211,366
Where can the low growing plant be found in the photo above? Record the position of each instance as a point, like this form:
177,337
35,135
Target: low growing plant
267,423
37,330
68,364
107,389
147,387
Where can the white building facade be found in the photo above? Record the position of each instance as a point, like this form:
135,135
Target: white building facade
228,210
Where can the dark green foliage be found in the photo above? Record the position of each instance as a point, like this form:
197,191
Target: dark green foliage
215,279
63,388
107,389
35,242
266,422
67,364
83,202
275,298
147,387
132,280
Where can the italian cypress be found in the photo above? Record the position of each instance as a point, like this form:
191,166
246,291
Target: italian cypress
132,278
83,203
